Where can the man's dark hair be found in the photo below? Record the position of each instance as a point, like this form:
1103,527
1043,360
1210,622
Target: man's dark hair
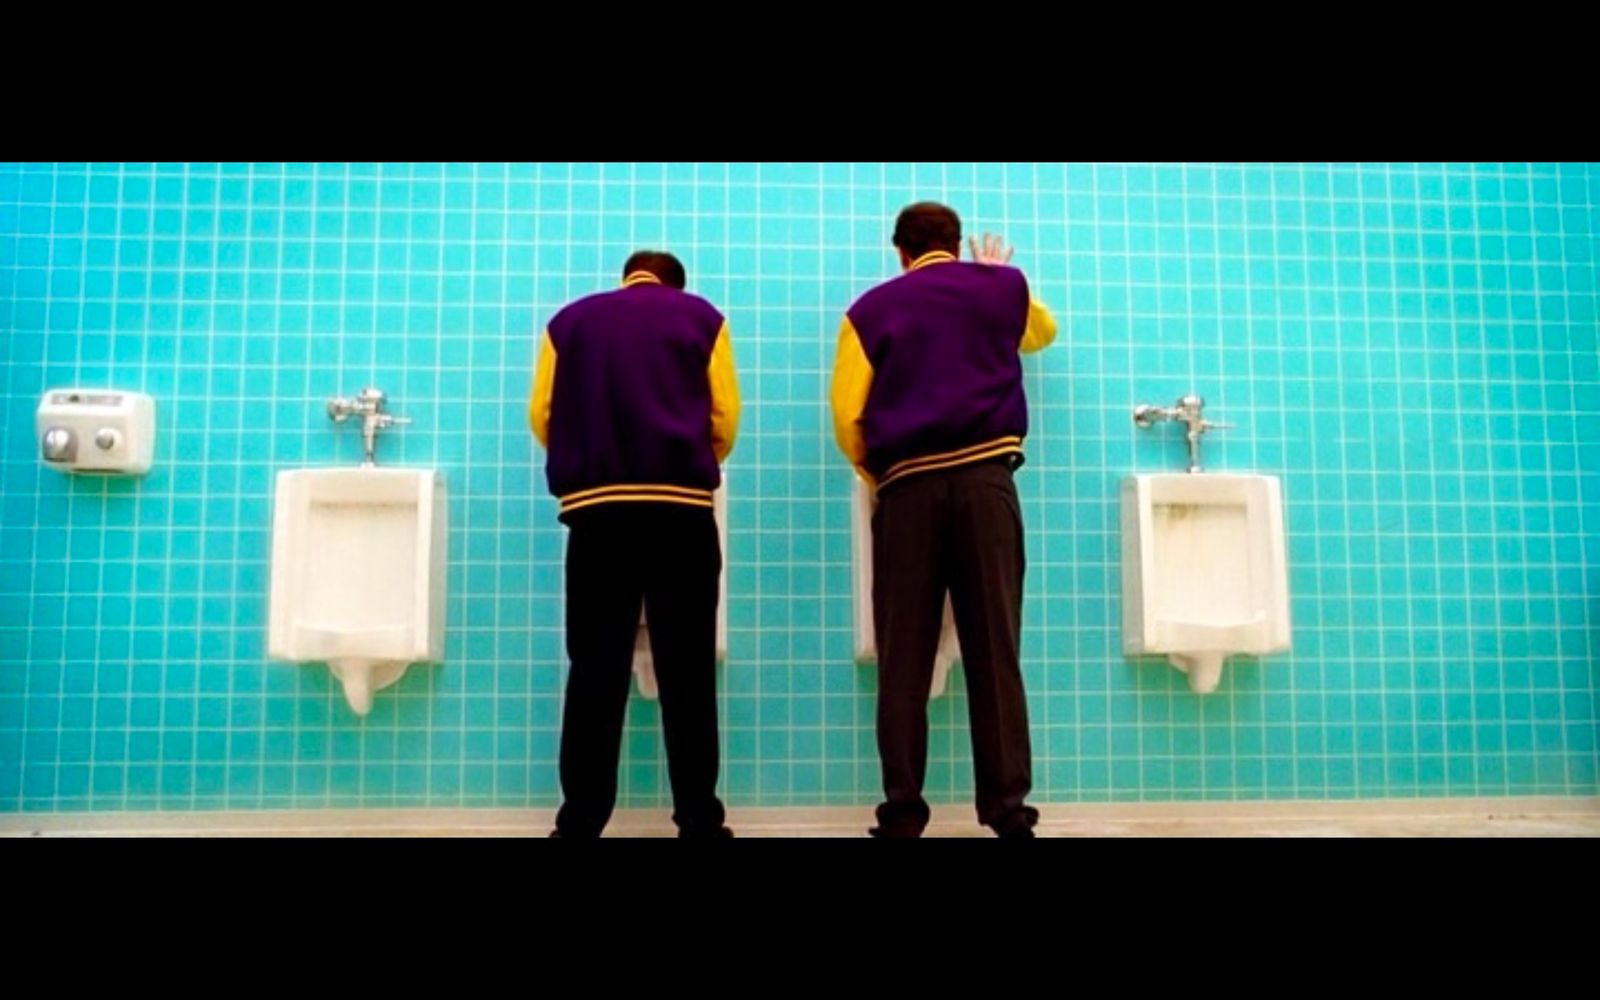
925,227
663,265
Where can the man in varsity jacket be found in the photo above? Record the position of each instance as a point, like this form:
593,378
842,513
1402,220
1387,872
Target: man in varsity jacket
635,399
928,405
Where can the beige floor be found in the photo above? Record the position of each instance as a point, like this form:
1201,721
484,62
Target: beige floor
1525,817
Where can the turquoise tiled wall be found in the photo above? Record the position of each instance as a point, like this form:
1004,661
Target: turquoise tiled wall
1412,348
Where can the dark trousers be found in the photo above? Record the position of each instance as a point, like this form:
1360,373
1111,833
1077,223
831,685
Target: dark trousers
957,530
668,557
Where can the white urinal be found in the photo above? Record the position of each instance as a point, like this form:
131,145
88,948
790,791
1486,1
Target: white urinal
1204,575
358,573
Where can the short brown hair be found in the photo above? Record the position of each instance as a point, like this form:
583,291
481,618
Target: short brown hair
663,265
927,226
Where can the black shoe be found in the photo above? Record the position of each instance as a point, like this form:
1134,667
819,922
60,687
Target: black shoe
720,833
883,833
1017,825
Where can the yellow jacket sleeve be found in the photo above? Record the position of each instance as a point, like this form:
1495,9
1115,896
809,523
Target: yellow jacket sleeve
724,396
544,383
1041,328
852,382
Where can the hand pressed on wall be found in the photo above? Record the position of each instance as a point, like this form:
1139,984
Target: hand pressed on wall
989,253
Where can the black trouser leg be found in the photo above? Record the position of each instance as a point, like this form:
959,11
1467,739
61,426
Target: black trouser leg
603,600
908,588
987,564
681,584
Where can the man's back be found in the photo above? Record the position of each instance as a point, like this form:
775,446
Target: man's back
928,369
942,341
632,401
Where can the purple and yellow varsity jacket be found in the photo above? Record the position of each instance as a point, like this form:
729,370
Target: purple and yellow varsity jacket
927,374
634,397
